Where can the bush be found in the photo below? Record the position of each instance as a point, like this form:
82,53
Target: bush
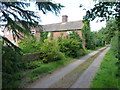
11,60
33,65
11,65
51,51
115,47
71,45
29,45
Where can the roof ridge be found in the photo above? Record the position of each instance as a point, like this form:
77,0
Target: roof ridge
63,22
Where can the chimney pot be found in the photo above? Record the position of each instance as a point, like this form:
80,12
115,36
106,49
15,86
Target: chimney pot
64,18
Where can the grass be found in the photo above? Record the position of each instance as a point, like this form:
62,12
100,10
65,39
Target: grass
44,69
106,75
89,50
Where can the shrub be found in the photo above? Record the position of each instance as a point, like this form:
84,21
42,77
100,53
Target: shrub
33,65
10,60
11,65
51,51
115,47
29,45
71,45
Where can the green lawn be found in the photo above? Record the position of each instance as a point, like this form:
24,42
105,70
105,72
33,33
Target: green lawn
106,75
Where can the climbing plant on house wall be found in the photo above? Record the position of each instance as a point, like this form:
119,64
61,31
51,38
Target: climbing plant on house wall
43,36
88,39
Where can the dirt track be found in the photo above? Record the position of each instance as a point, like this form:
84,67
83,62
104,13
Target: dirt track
46,82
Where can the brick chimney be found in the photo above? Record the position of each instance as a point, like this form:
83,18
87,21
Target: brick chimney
64,18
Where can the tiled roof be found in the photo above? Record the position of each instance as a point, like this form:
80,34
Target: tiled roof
63,26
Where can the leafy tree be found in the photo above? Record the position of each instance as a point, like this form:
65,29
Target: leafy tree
105,10
111,29
107,33
100,37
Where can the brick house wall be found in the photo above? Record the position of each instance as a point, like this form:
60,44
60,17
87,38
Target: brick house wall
65,33
9,36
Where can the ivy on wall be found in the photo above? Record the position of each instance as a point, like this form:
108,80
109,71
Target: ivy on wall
88,38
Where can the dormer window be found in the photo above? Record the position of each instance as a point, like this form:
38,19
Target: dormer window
33,32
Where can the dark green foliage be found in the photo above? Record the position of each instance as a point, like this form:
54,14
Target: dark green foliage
104,10
99,38
11,80
30,45
110,30
51,51
33,65
88,37
11,60
114,44
71,45
75,35
43,36
11,65
115,47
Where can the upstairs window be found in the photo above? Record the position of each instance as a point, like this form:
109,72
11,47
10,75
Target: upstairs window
69,32
33,32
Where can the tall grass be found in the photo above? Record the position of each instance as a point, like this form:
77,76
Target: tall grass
106,75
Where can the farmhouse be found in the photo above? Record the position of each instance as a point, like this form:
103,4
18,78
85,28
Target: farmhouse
64,27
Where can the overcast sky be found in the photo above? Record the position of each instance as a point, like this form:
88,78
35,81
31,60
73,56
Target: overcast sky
73,11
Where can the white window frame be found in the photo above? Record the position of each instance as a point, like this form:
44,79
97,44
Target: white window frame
69,32
33,32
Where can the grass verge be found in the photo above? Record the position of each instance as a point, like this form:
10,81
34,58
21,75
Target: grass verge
106,75
44,69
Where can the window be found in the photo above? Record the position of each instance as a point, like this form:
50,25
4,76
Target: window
33,32
49,34
69,32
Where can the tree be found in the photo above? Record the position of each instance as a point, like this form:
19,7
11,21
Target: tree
88,37
19,20
106,34
105,10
